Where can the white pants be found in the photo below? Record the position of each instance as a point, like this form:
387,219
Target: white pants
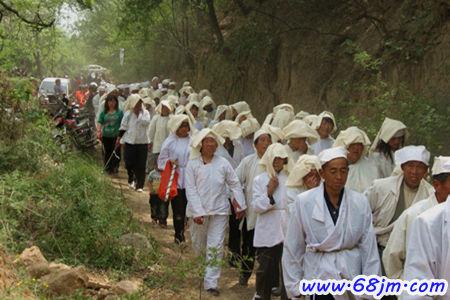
210,235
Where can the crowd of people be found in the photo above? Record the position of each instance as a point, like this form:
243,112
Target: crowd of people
285,193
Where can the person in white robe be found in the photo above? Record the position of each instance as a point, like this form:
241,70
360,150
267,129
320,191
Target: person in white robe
270,204
185,91
299,136
237,108
389,197
195,110
158,131
247,170
395,253
429,248
249,125
281,116
176,148
221,113
209,108
208,177
325,124
362,170
303,176
330,233
390,138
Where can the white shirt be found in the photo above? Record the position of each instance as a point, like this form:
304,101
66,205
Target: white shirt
271,220
395,253
428,248
292,194
384,164
135,127
383,196
247,170
237,154
247,146
362,174
316,248
322,144
206,187
175,148
158,131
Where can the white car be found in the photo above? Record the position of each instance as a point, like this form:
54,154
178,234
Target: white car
47,87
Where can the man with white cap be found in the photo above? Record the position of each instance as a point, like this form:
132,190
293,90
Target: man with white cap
395,253
428,251
303,176
208,178
270,204
325,124
362,170
389,139
158,131
176,149
330,233
248,169
299,136
389,197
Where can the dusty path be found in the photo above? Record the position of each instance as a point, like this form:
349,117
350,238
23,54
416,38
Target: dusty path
175,255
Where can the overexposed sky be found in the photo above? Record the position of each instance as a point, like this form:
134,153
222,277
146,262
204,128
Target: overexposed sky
68,17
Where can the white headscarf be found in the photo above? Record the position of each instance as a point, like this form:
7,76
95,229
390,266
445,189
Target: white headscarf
388,129
249,126
207,100
220,110
311,120
299,129
175,122
240,106
321,116
275,132
197,139
273,151
204,93
352,135
441,165
131,102
301,115
165,103
412,153
228,129
305,164
194,97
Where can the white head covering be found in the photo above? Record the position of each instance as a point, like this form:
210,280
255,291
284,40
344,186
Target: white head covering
388,130
247,114
173,100
220,110
249,126
186,83
165,103
275,132
207,100
260,132
299,129
175,122
144,93
283,106
282,117
165,81
203,93
131,101
186,89
412,153
441,165
228,129
301,115
325,114
182,110
273,151
194,97
352,135
311,120
332,153
305,164
197,139
149,101
240,106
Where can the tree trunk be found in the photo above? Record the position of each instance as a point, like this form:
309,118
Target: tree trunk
214,23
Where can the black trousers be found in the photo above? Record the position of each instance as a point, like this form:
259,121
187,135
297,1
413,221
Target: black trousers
179,204
159,210
109,144
135,162
248,251
234,236
269,269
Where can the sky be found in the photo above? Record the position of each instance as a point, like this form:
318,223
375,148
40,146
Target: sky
68,17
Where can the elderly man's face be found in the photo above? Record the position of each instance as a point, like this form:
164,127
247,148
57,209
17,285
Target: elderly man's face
414,172
209,146
298,144
335,173
355,151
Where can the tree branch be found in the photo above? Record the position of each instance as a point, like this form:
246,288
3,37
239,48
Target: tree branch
37,23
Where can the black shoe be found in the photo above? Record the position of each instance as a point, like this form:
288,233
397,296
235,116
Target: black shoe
276,292
243,280
213,292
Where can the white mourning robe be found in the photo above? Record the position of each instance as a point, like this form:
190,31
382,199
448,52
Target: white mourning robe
428,248
316,248
158,132
395,253
362,174
322,144
271,220
247,170
383,197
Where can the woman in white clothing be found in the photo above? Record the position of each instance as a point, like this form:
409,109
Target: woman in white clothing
270,204
208,178
325,124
